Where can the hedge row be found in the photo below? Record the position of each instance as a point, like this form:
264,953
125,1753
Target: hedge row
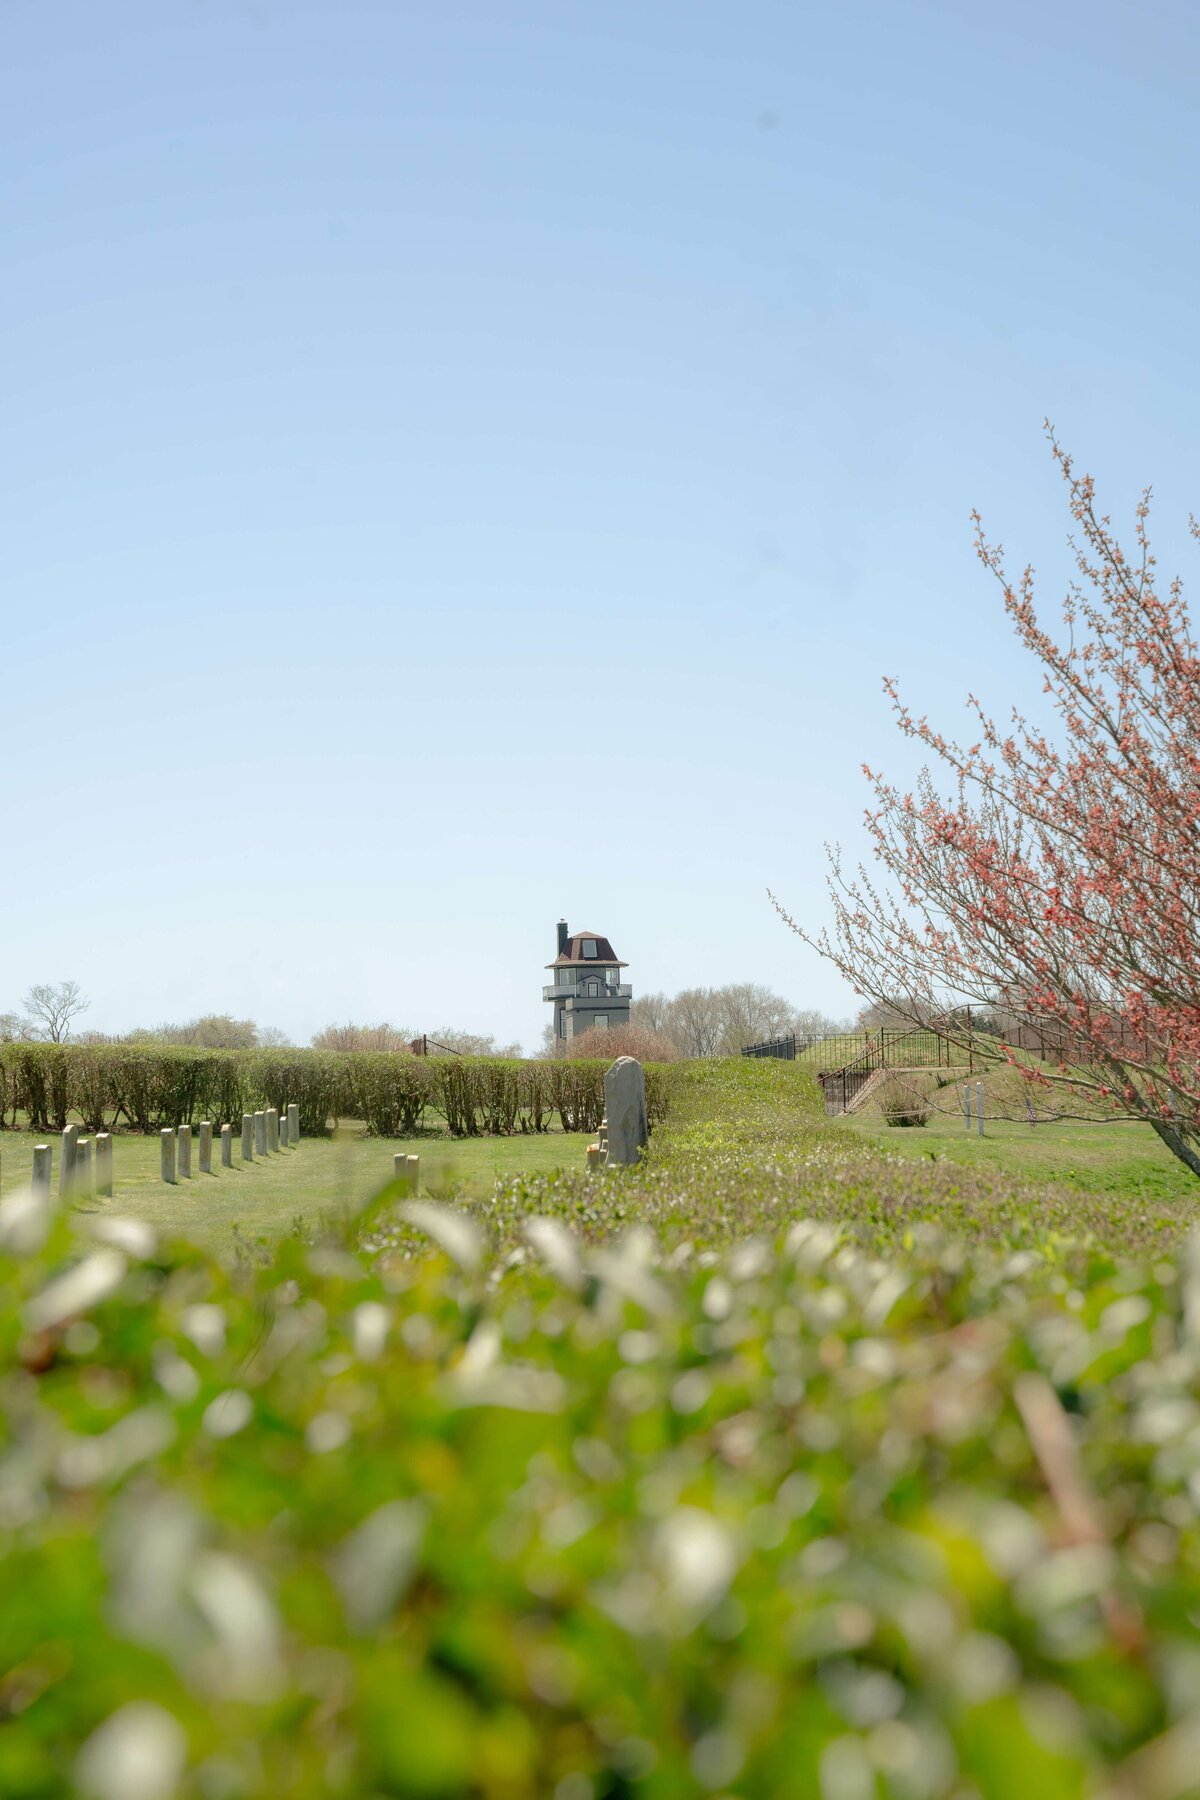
145,1088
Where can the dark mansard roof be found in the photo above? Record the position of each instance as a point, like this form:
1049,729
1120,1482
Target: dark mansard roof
572,956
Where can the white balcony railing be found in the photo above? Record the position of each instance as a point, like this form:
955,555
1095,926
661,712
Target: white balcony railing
557,991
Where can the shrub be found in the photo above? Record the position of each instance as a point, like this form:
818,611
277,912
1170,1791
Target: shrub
902,1103
389,1092
364,1037
622,1040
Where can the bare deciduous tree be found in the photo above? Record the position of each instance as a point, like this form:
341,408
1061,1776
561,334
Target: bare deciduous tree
810,1022
50,1007
898,1010
469,1043
721,1021
651,1012
213,1031
695,1021
363,1037
749,1014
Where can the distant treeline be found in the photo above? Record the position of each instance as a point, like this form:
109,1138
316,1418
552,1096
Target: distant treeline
148,1087
703,1022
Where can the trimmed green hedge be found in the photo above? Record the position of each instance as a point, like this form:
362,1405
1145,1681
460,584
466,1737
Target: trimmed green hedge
148,1087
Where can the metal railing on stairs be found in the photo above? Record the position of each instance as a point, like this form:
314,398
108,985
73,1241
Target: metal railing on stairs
844,1062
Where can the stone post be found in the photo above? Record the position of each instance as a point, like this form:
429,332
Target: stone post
83,1166
166,1139
414,1171
247,1137
625,1112
293,1123
43,1158
283,1131
260,1134
227,1146
206,1146
66,1164
104,1164
185,1152
272,1130
400,1166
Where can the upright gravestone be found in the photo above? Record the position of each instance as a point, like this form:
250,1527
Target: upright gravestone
293,1123
104,1164
166,1140
247,1137
42,1159
260,1134
227,1146
185,1153
66,1165
283,1131
625,1110
272,1130
83,1166
206,1146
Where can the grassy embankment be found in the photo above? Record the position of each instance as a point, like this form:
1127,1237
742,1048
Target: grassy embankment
1102,1156
747,1149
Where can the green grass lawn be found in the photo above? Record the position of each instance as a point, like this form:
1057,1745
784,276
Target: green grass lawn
1123,1158
263,1198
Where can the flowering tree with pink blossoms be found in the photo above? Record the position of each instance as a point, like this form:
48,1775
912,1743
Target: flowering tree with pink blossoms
1060,879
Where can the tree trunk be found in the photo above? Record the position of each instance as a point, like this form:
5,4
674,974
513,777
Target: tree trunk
1177,1145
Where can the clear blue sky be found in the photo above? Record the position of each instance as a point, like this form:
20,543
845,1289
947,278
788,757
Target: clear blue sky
466,463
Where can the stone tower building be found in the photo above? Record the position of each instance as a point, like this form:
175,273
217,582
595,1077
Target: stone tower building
585,985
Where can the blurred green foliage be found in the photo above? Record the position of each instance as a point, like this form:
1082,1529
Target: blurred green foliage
665,1491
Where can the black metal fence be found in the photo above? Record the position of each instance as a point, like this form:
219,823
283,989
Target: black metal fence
912,1046
843,1061
784,1048
840,1086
